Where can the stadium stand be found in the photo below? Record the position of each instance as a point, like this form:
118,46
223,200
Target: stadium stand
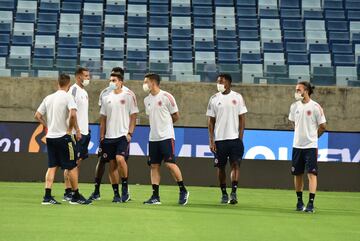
205,36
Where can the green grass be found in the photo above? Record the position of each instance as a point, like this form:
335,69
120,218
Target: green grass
260,215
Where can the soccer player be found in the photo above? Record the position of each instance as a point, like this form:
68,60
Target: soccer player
162,110
81,128
309,124
226,123
60,109
117,124
100,167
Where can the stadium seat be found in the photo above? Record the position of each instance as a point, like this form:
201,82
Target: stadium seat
273,47
323,76
268,4
250,58
182,45
250,71
297,59
345,74
6,17
273,59
313,15
43,63
250,47
202,57
228,57
4,39
4,51
319,48
182,68
49,6
227,45
159,56
320,60
91,42
48,17
19,57
299,72
344,60
71,7
290,13
296,47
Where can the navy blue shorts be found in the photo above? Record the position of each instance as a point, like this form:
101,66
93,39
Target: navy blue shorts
110,148
161,151
61,152
82,147
304,158
228,150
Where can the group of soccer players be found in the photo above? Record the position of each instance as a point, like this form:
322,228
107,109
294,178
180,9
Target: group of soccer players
68,136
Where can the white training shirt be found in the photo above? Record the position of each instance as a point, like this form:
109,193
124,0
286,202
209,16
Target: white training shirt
226,110
307,118
82,102
107,91
117,108
159,108
56,107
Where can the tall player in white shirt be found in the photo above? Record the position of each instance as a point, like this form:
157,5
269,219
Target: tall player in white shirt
60,110
117,123
162,110
81,128
309,123
226,123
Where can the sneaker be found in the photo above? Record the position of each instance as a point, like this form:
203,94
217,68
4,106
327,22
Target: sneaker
49,201
310,208
125,196
80,200
94,196
233,198
224,199
116,199
67,197
183,197
153,200
300,207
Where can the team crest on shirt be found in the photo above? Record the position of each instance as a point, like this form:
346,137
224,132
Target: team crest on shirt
122,102
105,155
159,103
308,112
234,102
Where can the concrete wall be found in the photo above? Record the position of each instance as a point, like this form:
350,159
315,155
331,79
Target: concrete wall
268,105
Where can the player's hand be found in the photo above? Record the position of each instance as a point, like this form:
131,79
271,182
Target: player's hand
78,135
45,130
212,146
128,138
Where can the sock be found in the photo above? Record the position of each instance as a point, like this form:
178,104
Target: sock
67,190
155,190
234,186
299,197
115,187
223,189
76,193
181,186
311,198
47,192
97,185
124,183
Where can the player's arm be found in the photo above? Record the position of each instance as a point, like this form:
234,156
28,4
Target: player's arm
72,120
211,127
175,117
102,127
77,129
321,129
131,126
39,117
241,125
292,124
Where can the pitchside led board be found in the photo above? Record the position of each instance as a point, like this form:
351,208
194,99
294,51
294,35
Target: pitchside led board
193,142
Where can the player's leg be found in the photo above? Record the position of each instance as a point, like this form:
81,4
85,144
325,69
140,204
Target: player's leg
99,172
297,170
235,156
220,162
312,169
114,180
168,152
154,162
67,193
123,170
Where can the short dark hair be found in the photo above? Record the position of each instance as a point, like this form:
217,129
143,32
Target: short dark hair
154,76
118,69
63,80
225,76
308,86
80,70
117,75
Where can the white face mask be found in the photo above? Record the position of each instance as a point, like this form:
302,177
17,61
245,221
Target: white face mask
221,88
85,82
112,86
298,96
146,88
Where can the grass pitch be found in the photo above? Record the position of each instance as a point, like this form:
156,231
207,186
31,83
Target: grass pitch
259,215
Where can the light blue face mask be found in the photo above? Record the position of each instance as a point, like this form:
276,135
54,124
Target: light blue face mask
112,86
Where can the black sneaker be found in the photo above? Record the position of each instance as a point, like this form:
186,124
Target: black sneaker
183,197
80,200
94,196
233,198
224,198
49,201
300,207
310,208
67,197
125,196
153,201
116,199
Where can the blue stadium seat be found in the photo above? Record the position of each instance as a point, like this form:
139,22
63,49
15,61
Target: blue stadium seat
137,21
225,34
71,7
296,47
182,56
323,76
344,60
180,33
22,40
269,13
356,38
159,21
246,3
5,27
228,57
71,42
293,36
91,42
49,6
90,30
289,4
180,11
204,46
273,47
155,9
4,51
333,5
48,18
290,24
202,11
137,32
92,19
246,12
114,31
66,64
353,15
5,39
158,44
46,29
297,59
7,5
247,58
339,37
342,49
25,17
335,15
227,45
290,14
67,53
337,26
113,55
44,52
247,23
319,48
248,35
224,3
352,5
115,7
136,55
43,63
313,15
